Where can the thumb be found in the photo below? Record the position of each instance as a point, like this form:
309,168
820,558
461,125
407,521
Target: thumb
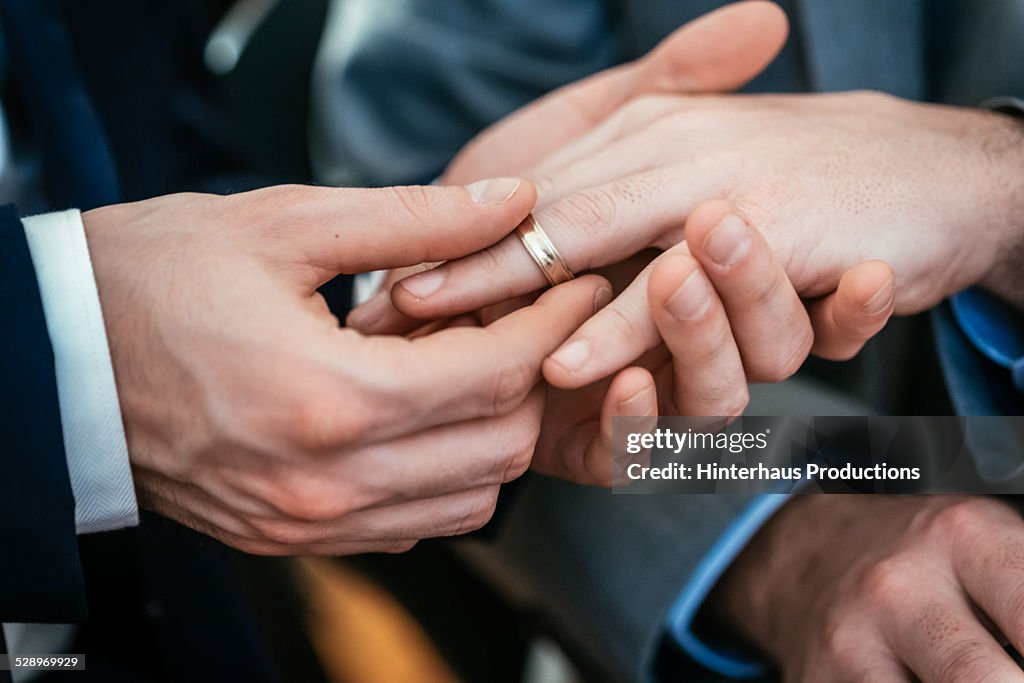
719,51
342,230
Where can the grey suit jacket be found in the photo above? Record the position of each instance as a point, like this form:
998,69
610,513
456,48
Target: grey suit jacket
400,91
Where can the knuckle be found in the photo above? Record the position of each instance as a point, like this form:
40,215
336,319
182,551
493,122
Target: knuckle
761,204
504,257
789,358
416,201
519,436
842,353
765,291
303,499
279,533
626,321
257,547
397,547
509,386
318,508
281,210
886,584
961,519
517,464
735,406
278,195
839,640
314,423
852,325
725,398
480,513
966,661
713,341
589,213
772,372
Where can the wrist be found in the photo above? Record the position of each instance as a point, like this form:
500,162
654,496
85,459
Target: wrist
94,437
1004,147
745,604
780,580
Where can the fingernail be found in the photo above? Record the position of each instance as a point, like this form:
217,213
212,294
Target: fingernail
691,299
573,355
424,284
494,190
639,404
369,312
602,297
729,241
881,299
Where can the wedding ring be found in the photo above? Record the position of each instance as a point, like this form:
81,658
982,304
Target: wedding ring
543,251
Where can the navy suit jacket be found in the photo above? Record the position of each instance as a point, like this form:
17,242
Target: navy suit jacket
40,573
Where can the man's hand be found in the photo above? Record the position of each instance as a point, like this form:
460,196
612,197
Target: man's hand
252,416
724,327
716,348
718,52
882,588
831,181
714,326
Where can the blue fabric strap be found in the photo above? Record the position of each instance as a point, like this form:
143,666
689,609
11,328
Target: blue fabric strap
995,328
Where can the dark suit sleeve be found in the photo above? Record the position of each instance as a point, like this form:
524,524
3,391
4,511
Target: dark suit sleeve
40,573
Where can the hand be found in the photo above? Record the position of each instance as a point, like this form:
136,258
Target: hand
720,51
882,588
701,369
727,326
714,322
831,181
253,417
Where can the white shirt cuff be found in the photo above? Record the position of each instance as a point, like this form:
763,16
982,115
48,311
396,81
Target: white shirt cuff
90,414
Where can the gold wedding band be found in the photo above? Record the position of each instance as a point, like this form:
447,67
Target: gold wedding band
543,251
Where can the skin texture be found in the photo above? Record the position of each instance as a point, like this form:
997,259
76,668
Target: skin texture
253,417
709,373
866,204
830,181
918,588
